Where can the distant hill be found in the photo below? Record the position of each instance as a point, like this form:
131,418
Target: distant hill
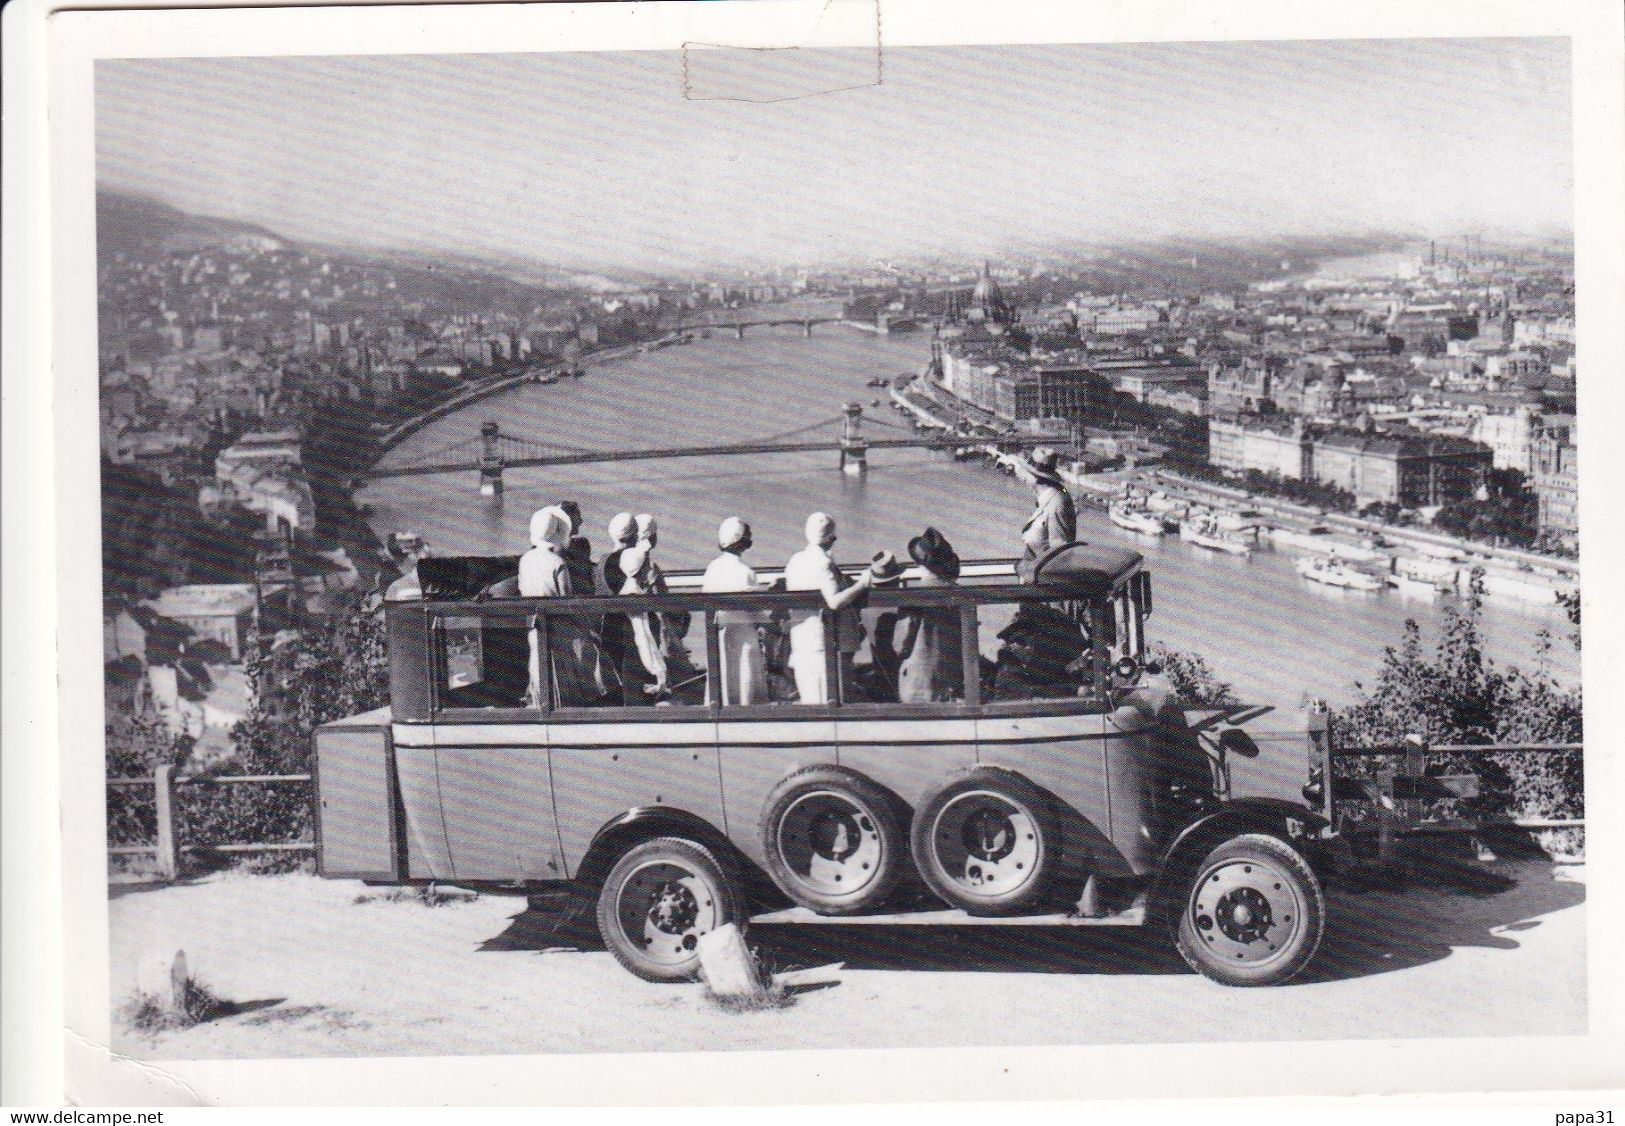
141,226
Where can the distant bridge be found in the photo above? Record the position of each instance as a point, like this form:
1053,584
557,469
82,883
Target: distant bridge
738,327
491,450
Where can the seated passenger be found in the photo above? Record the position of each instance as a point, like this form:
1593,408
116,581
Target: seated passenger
744,671
644,675
578,674
931,661
875,682
811,568
1040,655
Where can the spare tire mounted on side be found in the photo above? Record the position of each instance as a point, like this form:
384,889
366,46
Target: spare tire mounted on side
835,841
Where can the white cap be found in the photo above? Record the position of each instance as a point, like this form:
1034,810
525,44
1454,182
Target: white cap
550,526
819,527
733,530
620,527
633,560
646,526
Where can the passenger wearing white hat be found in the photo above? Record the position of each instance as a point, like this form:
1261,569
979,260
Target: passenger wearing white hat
743,673
650,670
623,533
674,623
406,548
615,633
578,675
812,568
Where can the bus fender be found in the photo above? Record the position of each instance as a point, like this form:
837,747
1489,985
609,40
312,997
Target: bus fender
1293,823
645,823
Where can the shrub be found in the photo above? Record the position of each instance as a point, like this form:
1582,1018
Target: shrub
1192,680
1459,695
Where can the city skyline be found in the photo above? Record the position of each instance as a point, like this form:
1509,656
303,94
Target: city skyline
962,151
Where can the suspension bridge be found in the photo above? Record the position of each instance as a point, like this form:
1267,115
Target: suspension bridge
491,449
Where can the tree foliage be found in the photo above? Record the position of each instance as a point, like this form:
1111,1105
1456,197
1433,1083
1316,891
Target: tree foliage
1192,680
298,680
1507,513
1459,695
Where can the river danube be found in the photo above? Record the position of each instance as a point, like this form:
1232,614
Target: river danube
1275,636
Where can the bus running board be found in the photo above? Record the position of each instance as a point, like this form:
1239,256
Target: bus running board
1133,916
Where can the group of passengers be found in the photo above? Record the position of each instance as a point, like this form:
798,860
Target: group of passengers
766,657
915,653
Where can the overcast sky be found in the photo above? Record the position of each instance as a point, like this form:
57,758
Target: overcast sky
601,160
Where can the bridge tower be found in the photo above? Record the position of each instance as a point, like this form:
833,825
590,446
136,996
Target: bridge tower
854,450
806,329
739,331
490,460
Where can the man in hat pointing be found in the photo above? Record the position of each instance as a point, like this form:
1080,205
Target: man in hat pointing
1054,520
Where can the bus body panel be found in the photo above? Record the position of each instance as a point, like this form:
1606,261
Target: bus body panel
907,756
498,809
1067,756
356,824
754,756
602,770
427,857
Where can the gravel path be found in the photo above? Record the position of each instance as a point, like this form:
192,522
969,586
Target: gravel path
333,968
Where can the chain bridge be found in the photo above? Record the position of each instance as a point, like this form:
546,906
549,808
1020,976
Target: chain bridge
491,450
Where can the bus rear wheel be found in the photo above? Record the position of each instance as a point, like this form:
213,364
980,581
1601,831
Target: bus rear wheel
1254,913
986,842
836,843
656,904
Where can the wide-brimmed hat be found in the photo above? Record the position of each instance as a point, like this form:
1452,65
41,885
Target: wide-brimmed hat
931,550
1042,461
884,568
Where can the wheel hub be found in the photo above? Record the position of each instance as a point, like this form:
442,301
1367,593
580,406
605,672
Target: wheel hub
665,908
986,844
674,910
1244,915
831,843
1246,911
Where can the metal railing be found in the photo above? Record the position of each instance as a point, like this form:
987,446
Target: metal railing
166,849
1398,795
1392,792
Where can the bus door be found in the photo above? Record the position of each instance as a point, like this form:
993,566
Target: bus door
491,753
651,741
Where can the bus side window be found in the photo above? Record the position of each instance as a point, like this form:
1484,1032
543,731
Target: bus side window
909,655
482,662
618,659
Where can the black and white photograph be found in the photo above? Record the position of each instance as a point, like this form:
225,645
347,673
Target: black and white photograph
887,544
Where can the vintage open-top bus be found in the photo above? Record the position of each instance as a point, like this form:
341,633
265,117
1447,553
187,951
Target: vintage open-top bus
1046,775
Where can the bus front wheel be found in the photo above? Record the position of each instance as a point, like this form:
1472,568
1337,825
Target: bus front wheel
658,901
1253,914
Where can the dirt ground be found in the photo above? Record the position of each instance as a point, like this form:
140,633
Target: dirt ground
310,967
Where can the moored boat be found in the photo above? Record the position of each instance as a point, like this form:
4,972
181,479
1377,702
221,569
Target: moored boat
1336,574
1204,531
1135,519
1413,586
